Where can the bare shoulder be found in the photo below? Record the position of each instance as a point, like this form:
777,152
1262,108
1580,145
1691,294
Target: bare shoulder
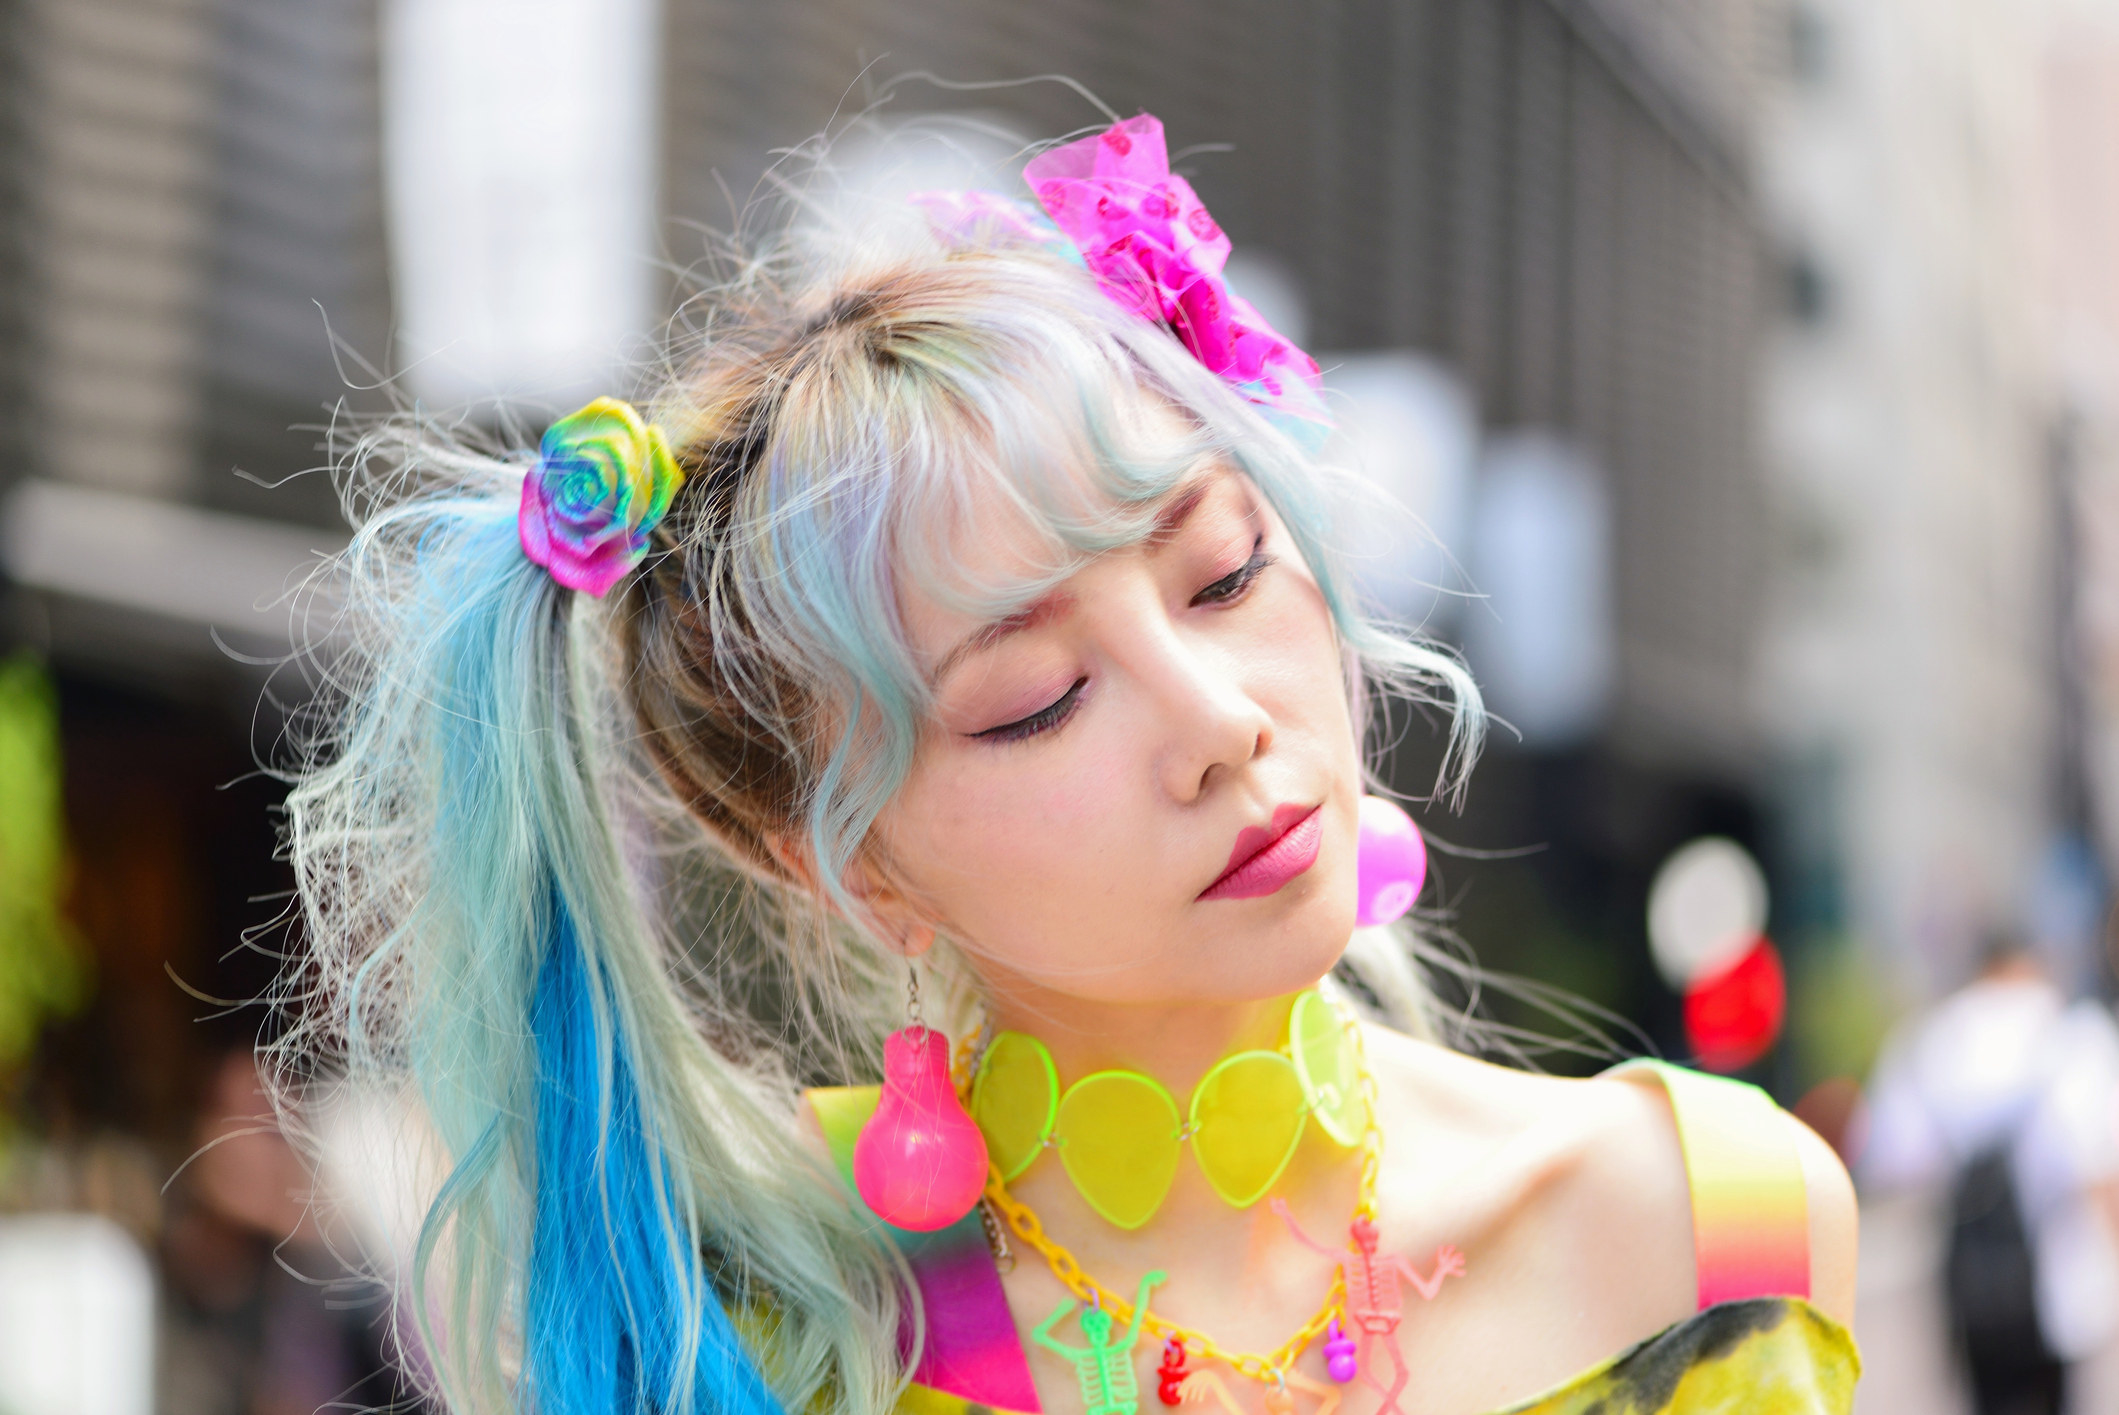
1574,1189
1835,1225
1584,1179
1600,1133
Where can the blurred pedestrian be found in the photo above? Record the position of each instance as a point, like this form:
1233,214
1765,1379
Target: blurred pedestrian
2006,1097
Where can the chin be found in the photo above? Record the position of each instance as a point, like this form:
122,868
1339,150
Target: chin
1305,946
1325,955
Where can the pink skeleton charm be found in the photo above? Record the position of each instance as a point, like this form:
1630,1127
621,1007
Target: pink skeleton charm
1373,1303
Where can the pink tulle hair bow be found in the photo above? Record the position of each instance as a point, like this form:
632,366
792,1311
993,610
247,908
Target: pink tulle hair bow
1154,248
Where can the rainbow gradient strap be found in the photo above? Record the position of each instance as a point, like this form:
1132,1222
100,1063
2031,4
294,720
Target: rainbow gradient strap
1750,1215
972,1351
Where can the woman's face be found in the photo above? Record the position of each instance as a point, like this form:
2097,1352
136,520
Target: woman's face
1144,787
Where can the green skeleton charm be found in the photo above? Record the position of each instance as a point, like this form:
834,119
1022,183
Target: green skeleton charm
1104,1367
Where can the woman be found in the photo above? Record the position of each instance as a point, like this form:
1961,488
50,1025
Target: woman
970,596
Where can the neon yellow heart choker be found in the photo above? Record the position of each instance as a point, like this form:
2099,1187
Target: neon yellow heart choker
1119,1133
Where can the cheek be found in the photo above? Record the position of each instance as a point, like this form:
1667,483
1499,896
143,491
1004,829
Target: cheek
976,824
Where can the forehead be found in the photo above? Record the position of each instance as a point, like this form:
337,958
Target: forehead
944,636
986,540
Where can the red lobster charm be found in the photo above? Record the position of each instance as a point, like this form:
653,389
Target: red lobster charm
1171,1373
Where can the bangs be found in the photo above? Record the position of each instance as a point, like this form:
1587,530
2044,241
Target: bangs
988,398
1056,469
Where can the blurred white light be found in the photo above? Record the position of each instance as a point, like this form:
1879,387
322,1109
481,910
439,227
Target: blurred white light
520,143
1705,909
381,1166
1407,425
1539,552
76,1318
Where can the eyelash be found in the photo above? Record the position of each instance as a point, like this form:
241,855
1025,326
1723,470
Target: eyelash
1043,720
1227,590
1233,586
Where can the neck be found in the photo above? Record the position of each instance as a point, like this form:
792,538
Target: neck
1176,1043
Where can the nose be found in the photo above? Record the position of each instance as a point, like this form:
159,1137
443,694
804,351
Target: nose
1211,725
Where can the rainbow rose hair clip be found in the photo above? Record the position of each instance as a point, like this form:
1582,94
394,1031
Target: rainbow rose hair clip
602,482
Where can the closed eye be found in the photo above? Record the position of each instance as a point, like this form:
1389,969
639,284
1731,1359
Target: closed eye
1234,585
1043,720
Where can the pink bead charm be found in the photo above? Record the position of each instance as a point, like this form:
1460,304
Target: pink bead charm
1390,865
920,1162
1340,1361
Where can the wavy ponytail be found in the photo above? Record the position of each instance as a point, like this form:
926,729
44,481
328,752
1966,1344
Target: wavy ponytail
618,1188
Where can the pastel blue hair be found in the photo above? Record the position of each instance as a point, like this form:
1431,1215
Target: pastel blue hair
501,835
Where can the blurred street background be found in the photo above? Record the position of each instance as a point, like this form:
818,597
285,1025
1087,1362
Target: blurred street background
1753,364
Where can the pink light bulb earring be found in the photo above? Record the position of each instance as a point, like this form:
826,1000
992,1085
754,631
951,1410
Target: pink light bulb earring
1390,865
920,1162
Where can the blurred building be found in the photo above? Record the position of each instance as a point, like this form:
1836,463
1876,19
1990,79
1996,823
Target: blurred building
203,194
119,105
2078,85
199,217
1938,466
191,190
187,189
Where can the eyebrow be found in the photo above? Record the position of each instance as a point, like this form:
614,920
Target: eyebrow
1171,519
1042,611
1168,522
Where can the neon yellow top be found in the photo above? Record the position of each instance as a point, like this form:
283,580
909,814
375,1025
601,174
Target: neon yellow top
1766,1356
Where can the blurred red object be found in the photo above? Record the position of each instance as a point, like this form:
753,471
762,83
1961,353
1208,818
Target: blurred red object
1733,1017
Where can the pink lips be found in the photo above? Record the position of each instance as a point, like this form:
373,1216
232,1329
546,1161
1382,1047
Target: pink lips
1265,858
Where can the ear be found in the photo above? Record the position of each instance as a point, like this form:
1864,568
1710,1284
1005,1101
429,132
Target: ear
792,861
894,914
891,914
